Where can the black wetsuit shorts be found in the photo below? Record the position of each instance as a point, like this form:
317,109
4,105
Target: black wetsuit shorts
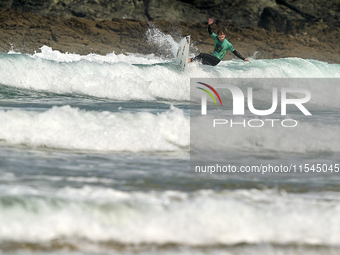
206,59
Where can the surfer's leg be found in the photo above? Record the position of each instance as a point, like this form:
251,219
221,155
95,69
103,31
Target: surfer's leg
197,58
210,60
206,59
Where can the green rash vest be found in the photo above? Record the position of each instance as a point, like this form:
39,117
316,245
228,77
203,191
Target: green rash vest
221,48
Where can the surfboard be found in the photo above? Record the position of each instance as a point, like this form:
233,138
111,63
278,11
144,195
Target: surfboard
181,58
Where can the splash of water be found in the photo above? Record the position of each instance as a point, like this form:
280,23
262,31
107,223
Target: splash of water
165,45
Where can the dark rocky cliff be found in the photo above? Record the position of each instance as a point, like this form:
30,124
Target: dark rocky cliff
272,28
274,15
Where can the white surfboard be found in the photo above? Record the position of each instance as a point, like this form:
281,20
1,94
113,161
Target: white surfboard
181,57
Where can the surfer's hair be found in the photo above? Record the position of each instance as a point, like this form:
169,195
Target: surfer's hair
220,32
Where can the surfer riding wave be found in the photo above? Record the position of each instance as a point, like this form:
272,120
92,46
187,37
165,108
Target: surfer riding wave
221,46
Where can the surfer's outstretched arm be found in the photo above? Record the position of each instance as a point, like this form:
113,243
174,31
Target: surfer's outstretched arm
210,21
209,30
237,54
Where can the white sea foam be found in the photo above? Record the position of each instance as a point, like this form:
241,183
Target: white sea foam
203,217
71,128
74,129
134,77
54,55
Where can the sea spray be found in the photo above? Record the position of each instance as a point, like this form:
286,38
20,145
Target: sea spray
165,45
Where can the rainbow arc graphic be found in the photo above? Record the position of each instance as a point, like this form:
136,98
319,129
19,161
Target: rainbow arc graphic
209,93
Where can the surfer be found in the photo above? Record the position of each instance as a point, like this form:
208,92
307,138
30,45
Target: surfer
221,46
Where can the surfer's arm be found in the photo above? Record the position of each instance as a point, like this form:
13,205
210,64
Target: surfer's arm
237,54
209,30
210,21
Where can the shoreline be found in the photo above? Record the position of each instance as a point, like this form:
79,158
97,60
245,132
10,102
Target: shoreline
27,33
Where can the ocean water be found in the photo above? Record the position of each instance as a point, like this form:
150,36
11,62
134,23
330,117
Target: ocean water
94,159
